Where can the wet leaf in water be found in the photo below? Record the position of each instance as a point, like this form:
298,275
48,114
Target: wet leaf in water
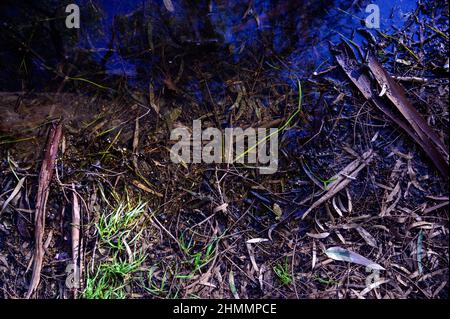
169,5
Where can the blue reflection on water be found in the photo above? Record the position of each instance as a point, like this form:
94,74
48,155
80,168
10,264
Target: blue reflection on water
143,40
238,27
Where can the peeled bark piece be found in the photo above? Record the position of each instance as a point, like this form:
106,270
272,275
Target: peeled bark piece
397,95
411,121
45,176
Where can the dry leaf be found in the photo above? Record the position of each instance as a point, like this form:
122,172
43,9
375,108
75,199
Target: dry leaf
13,194
145,188
318,236
256,240
368,238
232,285
342,254
169,5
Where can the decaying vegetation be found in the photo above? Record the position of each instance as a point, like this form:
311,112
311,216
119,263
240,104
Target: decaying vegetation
357,209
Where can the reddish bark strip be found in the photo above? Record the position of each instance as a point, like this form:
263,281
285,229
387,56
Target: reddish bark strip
45,177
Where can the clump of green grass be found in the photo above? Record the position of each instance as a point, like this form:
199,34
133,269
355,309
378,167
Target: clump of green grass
198,259
155,288
111,278
115,228
282,272
119,234
325,281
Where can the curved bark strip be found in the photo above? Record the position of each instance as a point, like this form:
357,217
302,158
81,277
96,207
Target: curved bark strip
45,177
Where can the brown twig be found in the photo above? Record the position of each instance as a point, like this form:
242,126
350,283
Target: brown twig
342,179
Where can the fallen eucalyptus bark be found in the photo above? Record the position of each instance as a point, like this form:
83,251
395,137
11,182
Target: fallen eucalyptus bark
45,176
409,119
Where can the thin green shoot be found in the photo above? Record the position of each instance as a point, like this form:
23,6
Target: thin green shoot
285,125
